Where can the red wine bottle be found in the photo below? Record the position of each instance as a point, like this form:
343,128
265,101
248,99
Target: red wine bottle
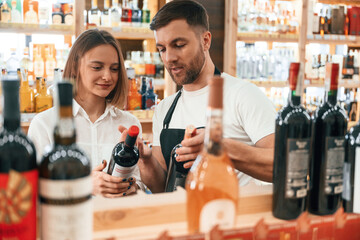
351,198
18,171
292,153
329,129
65,181
125,155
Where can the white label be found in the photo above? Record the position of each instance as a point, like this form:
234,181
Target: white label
217,212
347,187
57,19
64,189
39,68
67,222
123,172
356,201
50,65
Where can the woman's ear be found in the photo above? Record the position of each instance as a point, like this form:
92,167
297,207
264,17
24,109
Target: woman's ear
206,39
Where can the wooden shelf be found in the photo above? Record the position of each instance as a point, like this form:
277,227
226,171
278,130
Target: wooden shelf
133,33
342,2
281,84
334,39
268,37
61,29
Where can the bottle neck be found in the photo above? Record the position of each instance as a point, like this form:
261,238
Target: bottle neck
65,133
213,132
331,97
130,142
294,100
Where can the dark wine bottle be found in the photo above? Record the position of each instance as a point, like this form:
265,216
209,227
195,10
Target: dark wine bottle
125,155
65,181
292,152
351,198
18,170
329,129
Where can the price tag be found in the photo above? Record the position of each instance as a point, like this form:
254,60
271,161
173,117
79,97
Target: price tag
334,37
318,37
342,37
326,37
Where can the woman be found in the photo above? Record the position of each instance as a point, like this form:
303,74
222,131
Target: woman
96,66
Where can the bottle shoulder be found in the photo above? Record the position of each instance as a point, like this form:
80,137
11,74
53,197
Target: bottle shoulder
328,112
291,113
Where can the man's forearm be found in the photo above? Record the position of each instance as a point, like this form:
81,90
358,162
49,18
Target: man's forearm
152,174
254,161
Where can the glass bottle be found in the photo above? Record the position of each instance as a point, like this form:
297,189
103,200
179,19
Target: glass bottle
50,63
15,11
292,153
134,97
18,170
13,63
5,12
329,129
115,13
69,15
94,13
159,66
125,155
176,174
26,63
145,20
150,96
136,14
143,91
43,101
208,197
149,65
31,16
126,13
37,86
105,16
65,181
44,11
39,65
57,15
27,95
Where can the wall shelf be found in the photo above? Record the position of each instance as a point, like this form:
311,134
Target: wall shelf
280,84
61,29
267,37
132,33
334,39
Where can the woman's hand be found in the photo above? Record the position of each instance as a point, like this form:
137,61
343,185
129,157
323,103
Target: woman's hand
111,186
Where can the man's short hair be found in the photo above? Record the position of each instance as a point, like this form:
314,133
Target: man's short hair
193,12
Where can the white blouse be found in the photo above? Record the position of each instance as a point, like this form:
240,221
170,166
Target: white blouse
96,139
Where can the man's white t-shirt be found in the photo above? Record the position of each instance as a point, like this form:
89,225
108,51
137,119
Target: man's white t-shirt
96,139
248,115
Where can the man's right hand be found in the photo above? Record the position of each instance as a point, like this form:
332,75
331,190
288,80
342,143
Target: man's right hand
110,186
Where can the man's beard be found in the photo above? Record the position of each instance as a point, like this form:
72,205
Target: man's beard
192,73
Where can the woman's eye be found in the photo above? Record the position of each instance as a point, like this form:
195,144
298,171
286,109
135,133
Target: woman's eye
96,68
115,69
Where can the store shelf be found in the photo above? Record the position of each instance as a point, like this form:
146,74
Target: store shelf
132,33
334,39
268,37
37,28
281,84
342,2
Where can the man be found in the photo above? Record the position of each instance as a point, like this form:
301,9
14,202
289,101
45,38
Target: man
183,39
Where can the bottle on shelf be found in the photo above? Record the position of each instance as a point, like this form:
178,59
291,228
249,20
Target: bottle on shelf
68,14
43,100
39,65
27,64
126,14
207,195
13,63
5,12
143,91
351,193
329,129
176,174
105,15
50,63
115,13
149,65
44,11
37,86
159,66
57,15
125,155
18,170
150,96
16,11
136,14
292,152
94,14
65,181
145,18
31,16
134,97
27,95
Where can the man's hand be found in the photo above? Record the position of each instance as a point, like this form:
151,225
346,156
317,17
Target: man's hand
110,186
191,148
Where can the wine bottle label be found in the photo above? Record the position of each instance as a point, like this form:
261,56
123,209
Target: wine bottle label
150,102
123,172
346,194
66,209
297,166
217,212
356,207
18,195
66,127
334,163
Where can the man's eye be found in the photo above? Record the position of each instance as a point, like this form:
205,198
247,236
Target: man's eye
180,46
161,49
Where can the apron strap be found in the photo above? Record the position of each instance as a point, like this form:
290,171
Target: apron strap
171,111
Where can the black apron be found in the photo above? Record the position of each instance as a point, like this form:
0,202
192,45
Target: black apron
169,138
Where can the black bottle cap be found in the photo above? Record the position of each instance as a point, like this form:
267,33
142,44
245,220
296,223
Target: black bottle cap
65,93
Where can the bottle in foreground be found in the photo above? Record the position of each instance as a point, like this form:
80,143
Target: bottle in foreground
292,153
125,155
329,129
351,192
18,171
212,186
176,174
65,182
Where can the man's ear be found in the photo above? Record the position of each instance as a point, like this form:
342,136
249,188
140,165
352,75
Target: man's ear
206,40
